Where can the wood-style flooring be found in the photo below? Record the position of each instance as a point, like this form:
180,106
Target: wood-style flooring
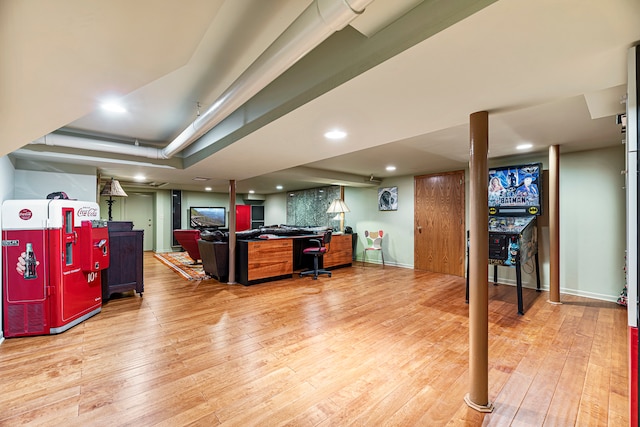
366,347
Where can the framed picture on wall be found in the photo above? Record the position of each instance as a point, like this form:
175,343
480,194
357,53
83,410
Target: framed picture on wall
388,198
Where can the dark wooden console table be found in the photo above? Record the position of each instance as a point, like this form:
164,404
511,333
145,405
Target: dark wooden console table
125,260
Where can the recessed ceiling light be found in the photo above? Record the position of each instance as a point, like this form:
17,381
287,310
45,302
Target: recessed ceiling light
200,178
524,146
335,134
139,178
207,188
251,191
113,107
278,187
391,168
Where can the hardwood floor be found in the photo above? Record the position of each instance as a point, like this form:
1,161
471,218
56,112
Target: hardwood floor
368,346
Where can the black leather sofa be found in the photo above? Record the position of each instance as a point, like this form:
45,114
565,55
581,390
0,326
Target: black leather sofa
215,259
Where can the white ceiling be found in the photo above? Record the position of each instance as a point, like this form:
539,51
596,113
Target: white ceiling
549,72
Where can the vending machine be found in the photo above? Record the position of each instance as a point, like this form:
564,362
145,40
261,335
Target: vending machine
53,252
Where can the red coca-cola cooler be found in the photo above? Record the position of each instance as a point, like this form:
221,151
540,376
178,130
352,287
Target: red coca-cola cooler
52,255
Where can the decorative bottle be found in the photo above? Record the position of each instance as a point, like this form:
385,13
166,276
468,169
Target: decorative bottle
30,263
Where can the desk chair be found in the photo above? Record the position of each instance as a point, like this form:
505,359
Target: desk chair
374,243
319,249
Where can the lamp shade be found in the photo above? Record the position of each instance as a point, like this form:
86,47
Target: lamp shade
338,206
113,188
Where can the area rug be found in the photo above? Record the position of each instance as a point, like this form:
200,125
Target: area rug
182,264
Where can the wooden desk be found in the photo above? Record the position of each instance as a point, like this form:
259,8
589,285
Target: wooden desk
340,252
272,259
262,260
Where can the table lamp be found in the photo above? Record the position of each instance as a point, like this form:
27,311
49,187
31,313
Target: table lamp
112,189
340,207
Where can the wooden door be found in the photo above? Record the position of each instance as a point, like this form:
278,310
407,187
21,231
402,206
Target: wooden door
439,230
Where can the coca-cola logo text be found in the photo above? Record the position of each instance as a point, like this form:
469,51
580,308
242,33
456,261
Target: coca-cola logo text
85,211
25,214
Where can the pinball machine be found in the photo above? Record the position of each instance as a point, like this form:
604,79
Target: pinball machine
515,202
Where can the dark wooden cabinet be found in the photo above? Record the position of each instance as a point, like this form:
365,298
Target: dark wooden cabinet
125,260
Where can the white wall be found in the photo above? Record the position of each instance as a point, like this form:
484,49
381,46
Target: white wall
275,209
397,242
364,215
161,201
592,223
197,198
30,184
592,227
163,208
162,212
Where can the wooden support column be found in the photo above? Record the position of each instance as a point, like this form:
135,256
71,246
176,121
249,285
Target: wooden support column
554,224
478,396
232,232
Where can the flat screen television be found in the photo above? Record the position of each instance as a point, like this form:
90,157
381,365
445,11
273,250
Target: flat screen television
515,190
201,217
